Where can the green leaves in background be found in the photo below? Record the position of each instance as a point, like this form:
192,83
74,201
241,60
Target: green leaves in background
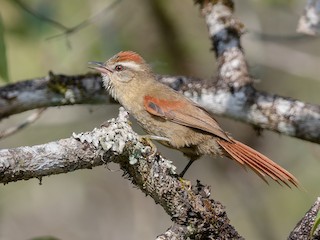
3,55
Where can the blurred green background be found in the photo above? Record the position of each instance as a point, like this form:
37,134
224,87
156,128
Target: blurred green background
172,36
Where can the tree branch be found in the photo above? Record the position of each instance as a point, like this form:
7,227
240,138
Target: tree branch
309,22
280,114
225,31
31,119
66,30
303,228
52,90
284,115
232,95
194,214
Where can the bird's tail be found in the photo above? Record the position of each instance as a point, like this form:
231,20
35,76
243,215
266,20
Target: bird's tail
259,163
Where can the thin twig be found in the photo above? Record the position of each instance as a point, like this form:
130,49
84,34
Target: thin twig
66,30
40,16
86,22
31,119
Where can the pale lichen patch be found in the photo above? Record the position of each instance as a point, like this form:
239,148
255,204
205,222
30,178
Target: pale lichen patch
112,136
69,96
283,106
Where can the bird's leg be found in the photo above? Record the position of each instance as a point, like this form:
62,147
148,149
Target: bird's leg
192,159
148,139
186,168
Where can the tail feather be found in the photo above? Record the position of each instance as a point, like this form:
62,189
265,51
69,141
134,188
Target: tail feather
259,163
243,161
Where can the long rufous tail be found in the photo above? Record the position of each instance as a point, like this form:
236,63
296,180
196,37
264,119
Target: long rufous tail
259,163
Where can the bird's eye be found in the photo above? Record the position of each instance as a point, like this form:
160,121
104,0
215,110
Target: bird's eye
118,68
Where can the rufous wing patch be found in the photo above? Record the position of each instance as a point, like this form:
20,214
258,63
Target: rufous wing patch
160,107
184,113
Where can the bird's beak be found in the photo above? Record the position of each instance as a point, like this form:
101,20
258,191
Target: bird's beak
100,67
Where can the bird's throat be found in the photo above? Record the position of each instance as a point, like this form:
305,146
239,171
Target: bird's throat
109,86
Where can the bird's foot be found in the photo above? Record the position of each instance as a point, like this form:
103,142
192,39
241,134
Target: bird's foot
186,184
148,139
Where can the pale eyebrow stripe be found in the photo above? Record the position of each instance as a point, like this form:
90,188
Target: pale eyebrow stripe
132,65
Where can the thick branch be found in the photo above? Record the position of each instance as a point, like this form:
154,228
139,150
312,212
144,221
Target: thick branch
194,214
225,31
232,94
52,90
268,111
234,84
309,22
303,228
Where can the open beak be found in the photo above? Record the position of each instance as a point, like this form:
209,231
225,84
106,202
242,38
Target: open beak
100,67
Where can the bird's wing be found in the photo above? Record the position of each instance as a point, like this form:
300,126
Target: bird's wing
189,114
185,113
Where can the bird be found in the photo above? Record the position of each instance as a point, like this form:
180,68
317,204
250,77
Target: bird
176,120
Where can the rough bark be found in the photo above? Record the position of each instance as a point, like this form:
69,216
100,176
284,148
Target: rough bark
309,22
264,110
303,228
193,213
231,94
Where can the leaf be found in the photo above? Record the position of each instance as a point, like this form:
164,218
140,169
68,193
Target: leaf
3,55
315,225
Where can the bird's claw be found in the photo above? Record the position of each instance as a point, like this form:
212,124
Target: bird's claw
148,139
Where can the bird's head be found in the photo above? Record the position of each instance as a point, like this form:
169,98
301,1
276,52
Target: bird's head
123,70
